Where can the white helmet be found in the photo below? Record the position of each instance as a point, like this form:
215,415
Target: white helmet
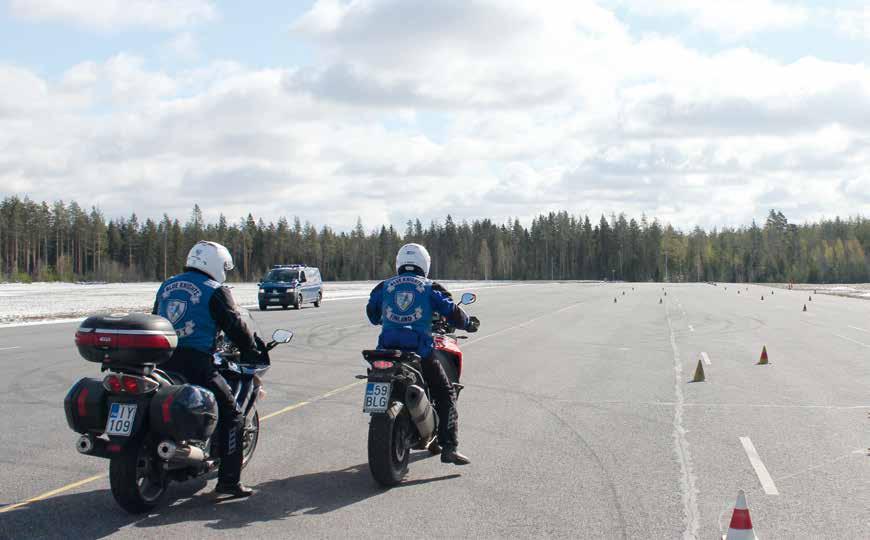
211,258
413,255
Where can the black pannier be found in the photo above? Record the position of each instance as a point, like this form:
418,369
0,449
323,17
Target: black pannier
184,412
85,406
126,339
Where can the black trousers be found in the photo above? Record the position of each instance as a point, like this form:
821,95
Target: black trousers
197,368
444,397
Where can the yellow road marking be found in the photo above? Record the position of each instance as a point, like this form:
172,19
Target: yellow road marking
52,493
74,485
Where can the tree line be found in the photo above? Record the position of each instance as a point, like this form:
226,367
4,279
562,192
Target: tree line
64,241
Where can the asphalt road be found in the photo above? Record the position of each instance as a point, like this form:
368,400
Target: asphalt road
578,414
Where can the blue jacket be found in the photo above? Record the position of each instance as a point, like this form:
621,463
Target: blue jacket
197,306
404,306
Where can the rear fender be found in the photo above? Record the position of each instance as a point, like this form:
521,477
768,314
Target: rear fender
450,347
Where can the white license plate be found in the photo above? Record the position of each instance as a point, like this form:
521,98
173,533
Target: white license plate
121,416
274,300
377,397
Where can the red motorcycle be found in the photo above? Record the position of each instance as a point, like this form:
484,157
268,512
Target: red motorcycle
398,400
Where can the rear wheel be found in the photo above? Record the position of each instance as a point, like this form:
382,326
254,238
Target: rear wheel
389,449
319,299
250,436
137,482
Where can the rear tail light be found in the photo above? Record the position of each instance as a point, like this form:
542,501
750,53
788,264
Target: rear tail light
382,364
128,384
122,341
112,383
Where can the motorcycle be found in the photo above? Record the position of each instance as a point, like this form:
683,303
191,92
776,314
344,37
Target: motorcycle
399,402
151,425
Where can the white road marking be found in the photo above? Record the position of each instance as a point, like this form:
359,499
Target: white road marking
681,447
853,340
691,328
8,348
706,359
859,329
760,470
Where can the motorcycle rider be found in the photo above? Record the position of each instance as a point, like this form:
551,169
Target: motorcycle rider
404,305
198,305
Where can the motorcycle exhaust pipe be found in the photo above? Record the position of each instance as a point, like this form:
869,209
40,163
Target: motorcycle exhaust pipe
421,411
170,451
91,446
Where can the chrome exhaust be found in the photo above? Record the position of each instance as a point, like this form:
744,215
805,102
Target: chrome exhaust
91,446
85,444
421,411
169,451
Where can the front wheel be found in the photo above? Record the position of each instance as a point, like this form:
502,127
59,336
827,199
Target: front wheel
297,304
389,451
137,482
250,436
319,300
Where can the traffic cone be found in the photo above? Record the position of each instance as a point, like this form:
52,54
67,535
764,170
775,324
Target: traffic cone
699,373
660,301
805,307
763,361
741,524
623,293
811,298
762,298
614,299
738,292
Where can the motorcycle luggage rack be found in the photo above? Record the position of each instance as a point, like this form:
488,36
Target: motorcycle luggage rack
390,354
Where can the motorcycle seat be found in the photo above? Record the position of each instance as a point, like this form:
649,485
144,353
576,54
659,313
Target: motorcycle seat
391,354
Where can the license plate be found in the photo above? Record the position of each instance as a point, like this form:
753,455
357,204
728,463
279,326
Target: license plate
274,300
377,397
121,416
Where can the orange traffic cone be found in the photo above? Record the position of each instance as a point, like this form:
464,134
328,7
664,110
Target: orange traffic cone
762,298
811,298
699,373
660,300
614,299
741,524
763,361
805,307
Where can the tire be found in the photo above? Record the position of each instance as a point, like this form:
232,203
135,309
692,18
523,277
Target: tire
319,299
298,303
388,449
250,436
263,307
126,470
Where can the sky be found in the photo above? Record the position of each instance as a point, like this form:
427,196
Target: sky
697,112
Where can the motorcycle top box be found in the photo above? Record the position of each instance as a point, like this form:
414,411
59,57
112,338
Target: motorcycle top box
184,412
126,339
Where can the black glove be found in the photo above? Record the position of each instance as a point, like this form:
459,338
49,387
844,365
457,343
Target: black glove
473,324
255,357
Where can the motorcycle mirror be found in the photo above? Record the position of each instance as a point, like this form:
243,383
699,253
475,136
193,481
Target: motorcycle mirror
282,336
468,298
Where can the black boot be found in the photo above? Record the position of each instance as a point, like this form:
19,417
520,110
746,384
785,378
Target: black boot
237,490
450,455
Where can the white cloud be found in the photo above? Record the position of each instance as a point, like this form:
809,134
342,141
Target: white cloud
855,22
183,46
116,15
730,19
416,108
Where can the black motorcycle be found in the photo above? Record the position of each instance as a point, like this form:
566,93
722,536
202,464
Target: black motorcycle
152,426
398,399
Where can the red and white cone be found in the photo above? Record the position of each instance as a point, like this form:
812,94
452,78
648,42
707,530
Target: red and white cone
741,524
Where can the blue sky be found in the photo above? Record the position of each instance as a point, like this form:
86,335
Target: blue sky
699,112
